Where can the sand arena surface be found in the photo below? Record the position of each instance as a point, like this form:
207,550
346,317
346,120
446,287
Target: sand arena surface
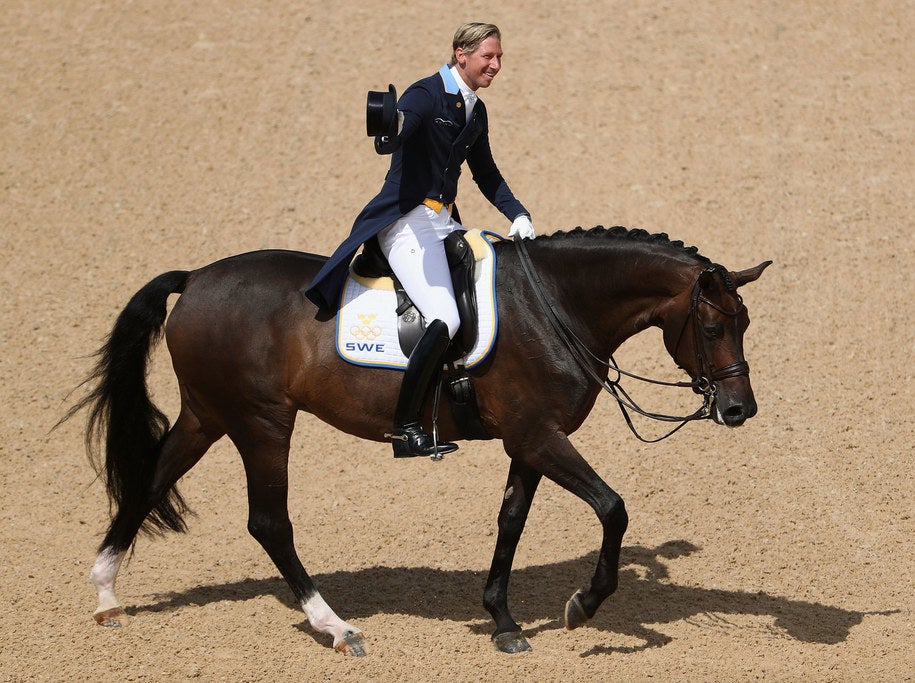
144,137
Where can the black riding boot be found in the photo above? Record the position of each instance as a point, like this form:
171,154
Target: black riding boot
425,363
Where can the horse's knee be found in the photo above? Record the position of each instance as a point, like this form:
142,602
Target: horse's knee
621,516
613,516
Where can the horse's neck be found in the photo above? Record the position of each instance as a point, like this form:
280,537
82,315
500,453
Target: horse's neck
610,295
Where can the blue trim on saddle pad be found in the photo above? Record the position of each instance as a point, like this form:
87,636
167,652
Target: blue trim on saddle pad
366,326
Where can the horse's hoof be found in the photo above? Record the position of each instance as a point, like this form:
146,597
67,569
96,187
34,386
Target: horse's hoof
353,644
113,618
511,642
575,612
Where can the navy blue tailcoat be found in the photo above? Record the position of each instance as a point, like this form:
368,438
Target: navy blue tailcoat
435,141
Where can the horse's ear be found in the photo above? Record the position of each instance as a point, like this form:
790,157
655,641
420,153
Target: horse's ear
750,274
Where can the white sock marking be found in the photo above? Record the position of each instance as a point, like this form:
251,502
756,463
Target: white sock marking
322,619
103,575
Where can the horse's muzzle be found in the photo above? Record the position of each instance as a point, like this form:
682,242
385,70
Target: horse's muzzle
733,413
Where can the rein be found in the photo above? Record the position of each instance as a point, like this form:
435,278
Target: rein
584,357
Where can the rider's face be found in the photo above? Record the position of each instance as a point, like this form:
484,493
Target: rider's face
479,67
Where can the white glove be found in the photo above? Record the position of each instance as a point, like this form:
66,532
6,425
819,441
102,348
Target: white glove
522,227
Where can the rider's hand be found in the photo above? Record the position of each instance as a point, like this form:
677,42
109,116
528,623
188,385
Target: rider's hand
522,227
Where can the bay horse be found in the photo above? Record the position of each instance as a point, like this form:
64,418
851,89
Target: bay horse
250,351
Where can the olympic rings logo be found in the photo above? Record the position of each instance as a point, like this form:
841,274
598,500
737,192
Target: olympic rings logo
366,330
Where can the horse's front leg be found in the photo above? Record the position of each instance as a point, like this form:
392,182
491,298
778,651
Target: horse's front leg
516,503
558,460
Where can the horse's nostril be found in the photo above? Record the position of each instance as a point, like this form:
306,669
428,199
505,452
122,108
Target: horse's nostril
738,413
734,416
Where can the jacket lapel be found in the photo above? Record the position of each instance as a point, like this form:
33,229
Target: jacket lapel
453,96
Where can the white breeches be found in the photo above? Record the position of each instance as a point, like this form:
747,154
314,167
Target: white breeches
414,247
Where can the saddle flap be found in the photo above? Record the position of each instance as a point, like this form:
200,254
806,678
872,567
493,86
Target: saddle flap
462,264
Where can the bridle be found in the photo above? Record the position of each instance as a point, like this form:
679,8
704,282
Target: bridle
707,374
705,384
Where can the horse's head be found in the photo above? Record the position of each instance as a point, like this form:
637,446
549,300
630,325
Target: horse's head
704,335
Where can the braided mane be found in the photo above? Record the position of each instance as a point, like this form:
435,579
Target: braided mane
635,235
642,236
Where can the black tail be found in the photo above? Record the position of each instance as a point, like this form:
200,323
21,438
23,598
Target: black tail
121,413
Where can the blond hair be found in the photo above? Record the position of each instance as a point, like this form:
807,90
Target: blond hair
469,36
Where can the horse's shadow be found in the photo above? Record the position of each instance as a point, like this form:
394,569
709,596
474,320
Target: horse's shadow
539,593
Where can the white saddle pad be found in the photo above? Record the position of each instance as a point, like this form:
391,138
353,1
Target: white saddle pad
367,324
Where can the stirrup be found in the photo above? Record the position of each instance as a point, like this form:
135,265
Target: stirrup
411,440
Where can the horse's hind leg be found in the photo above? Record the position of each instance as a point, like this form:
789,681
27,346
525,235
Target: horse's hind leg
266,454
181,449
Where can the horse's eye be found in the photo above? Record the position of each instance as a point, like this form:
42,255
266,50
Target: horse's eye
715,331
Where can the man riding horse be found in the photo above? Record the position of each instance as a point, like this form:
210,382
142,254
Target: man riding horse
437,125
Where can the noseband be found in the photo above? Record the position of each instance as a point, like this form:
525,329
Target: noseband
705,384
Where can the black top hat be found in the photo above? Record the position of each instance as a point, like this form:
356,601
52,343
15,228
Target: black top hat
381,112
